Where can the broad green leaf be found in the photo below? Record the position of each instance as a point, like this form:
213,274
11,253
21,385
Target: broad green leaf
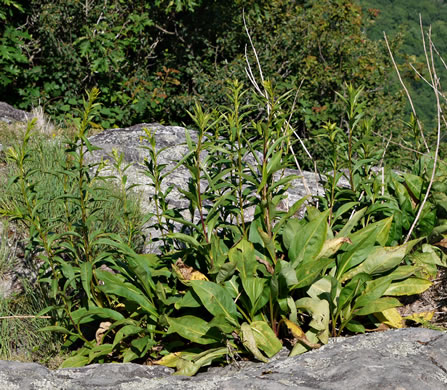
307,271
355,327
56,328
355,255
194,363
141,266
188,300
143,344
98,351
249,342
352,289
410,286
68,271
381,260
331,246
126,331
427,261
233,286
216,299
207,357
378,305
221,323
293,314
253,286
403,272
243,255
309,241
285,270
75,361
374,290
379,230
292,211
343,209
113,284
414,183
319,309
320,287
191,328
290,230
84,315
226,271
191,241
171,359
129,355
186,367
265,338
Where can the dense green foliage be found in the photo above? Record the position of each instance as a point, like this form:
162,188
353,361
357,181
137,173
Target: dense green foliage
226,285
401,18
151,59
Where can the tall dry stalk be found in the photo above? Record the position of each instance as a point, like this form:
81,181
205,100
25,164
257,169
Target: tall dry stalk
435,84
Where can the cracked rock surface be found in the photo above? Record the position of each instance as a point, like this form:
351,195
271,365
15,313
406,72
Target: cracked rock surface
405,359
129,141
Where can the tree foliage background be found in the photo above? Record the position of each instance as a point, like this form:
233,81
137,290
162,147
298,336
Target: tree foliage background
150,60
400,19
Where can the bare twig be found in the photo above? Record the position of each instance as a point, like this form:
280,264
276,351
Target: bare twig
164,30
424,46
252,78
288,126
440,56
22,317
253,48
407,93
426,81
435,83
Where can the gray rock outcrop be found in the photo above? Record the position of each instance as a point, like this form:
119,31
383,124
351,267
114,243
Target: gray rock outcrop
405,359
9,114
129,142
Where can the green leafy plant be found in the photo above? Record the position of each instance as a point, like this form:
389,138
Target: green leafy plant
226,283
71,243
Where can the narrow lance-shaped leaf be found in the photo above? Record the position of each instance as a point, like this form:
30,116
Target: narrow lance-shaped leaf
86,279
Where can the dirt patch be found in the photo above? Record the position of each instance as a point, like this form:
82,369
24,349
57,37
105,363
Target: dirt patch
434,299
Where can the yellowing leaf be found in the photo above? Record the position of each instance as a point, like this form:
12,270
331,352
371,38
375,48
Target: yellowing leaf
309,341
295,329
391,317
185,272
196,275
421,317
330,247
169,360
408,286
